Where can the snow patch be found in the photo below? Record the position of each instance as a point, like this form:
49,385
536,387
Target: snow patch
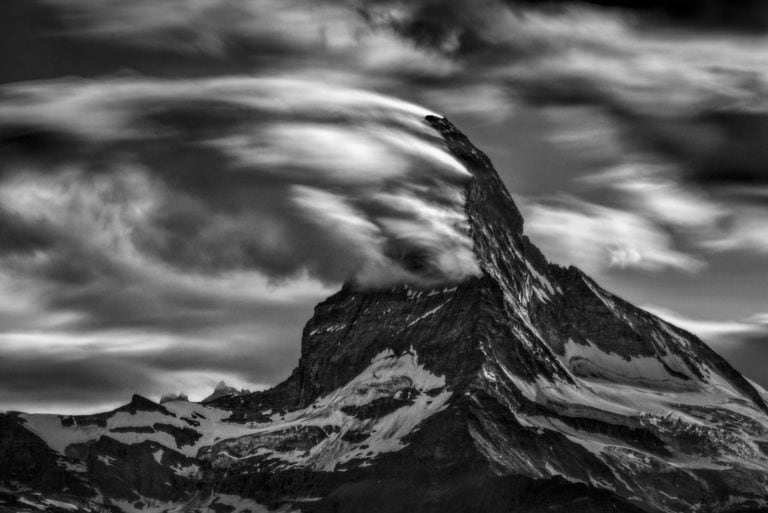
589,361
427,314
213,427
549,290
107,460
188,471
387,376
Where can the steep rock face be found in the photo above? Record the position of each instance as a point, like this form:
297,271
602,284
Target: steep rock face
526,388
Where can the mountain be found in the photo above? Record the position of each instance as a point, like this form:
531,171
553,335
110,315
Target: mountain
528,388
223,390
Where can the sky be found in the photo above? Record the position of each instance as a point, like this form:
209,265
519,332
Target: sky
181,181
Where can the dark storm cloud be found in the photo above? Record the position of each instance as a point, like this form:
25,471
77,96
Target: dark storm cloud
738,154
471,27
750,15
19,236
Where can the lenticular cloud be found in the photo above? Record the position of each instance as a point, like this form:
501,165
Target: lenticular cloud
279,176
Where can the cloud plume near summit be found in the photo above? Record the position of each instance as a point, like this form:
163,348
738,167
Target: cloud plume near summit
277,176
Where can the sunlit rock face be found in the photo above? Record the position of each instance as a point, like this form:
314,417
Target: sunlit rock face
524,388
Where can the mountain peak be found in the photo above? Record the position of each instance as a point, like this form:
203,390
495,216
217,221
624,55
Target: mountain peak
224,390
141,403
487,198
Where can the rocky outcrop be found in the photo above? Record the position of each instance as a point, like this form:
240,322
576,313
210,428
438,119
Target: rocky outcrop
223,390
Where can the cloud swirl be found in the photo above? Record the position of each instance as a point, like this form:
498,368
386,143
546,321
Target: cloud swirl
277,176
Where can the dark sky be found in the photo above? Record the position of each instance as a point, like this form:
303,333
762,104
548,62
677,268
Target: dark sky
180,182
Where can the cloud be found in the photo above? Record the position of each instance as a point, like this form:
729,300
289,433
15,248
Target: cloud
210,26
213,175
653,191
672,88
99,370
253,34
710,223
747,231
749,15
596,238
218,204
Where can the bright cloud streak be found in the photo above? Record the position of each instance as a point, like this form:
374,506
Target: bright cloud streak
596,237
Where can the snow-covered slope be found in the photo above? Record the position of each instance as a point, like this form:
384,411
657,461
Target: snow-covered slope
182,426
528,388
372,414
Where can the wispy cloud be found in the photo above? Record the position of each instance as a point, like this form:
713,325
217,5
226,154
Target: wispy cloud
711,223
253,149
595,237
